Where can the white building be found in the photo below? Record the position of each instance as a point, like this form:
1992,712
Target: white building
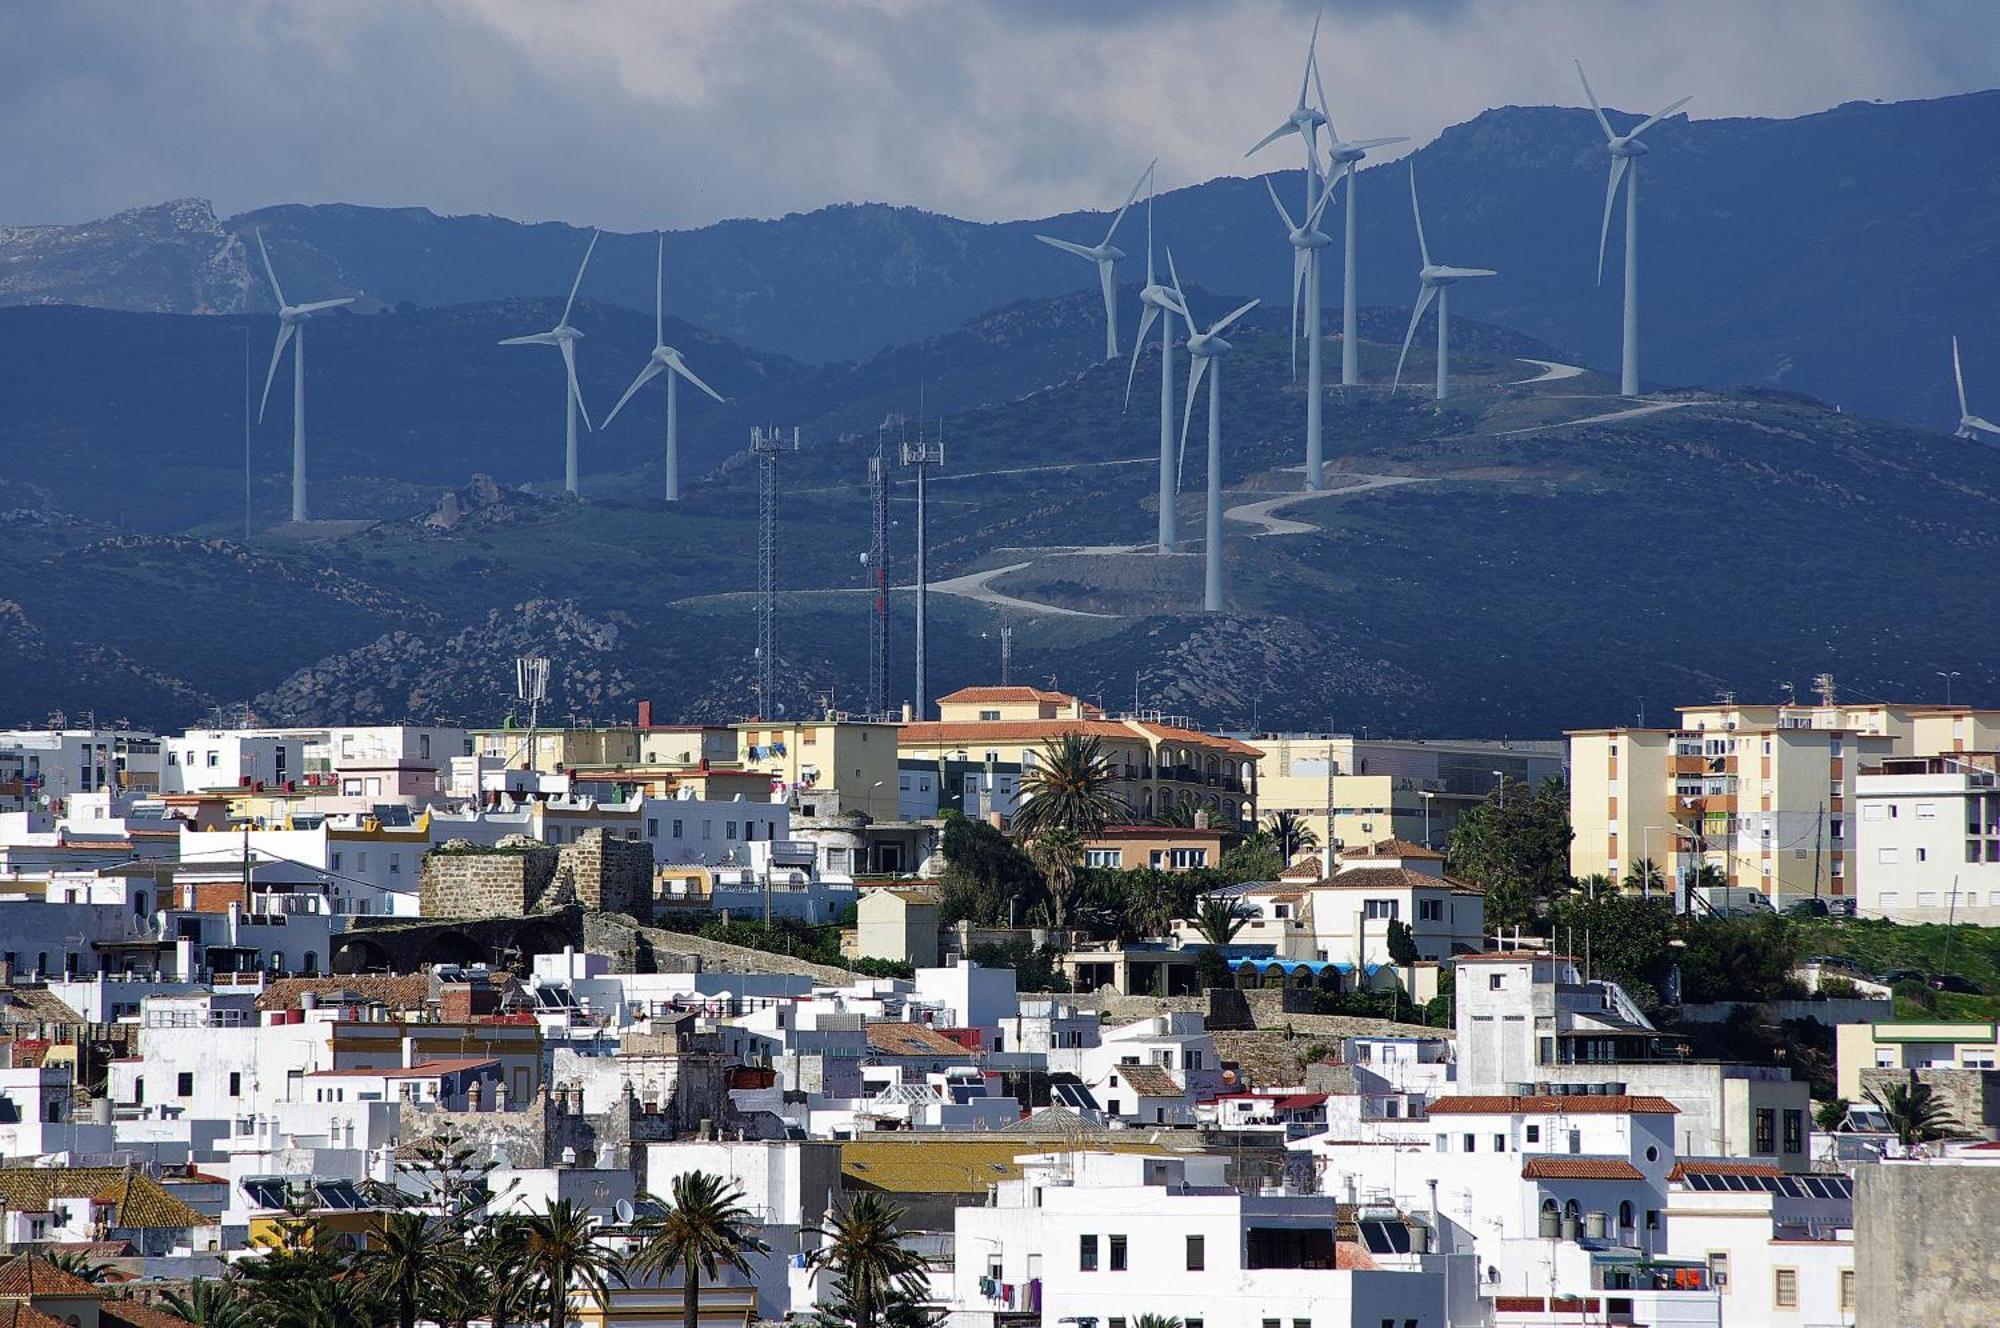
1779,1248
1150,1072
1102,1238
57,764
1344,918
202,760
1927,840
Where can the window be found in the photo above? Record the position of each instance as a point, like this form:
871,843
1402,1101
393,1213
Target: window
1785,1288
1471,1143
1534,1134
1886,856
1625,1214
184,1084
1378,908
1767,1130
729,830
1430,910
235,1083
1493,982
1117,1254
1101,857
988,716
1086,1251
1847,1289
679,832
1795,1128
1197,1253
1444,1143
1499,1143
652,827
1926,811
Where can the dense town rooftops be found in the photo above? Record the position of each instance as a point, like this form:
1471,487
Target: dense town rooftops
1147,1080
31,1275
1570,1104
138,1201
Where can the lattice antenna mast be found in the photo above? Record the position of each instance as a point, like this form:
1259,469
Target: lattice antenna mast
765,444
1823,684
923,455
531,688
878,574
1006,655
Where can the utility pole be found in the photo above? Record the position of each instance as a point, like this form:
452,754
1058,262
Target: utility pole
923,455
878,574
765,446
1819,824
246,434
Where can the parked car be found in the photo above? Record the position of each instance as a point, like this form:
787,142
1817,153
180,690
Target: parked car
1953,982
1807,908
1895,975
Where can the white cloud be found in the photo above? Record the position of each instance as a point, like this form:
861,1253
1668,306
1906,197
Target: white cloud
630,113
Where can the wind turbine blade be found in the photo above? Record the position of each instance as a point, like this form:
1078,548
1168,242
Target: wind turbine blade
1320,87
1272,137
1312,222
1602,123
1067,247
319,306
1423,246
569,367
1149,229
1234,314
575,285
1368,143
1958,376
1186,316
1136,186
1658,116
1457,272
646,375
1148,314
1194,385
270,271
1416,316
1283,215
680,367
659,296
532,339
277,353
1107,281
1982,424
1618,165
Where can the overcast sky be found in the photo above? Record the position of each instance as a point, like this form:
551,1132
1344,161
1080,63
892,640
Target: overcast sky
639,113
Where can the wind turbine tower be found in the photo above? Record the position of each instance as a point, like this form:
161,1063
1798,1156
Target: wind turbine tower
564,338
1155,300
1434,280
1106,256
1207,349
765,444
923,455
878,578
1344,158
665,360
292,324
1625,150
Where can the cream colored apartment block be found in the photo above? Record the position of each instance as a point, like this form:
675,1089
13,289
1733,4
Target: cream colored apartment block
857,758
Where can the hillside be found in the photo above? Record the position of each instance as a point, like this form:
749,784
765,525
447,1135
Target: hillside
1528,556
1832,254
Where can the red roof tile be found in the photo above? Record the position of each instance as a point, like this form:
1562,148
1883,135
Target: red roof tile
1395,848
888,1038
1575,1104
1721,1167
1579,1168
32,1276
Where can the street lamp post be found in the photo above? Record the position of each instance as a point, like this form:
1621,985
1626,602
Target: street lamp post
1427,795
1500,785
1947,676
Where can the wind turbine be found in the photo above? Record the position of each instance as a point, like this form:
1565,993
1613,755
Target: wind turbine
1156,299
564,338
1306,240
1207,349
292,323
1305,121
666,360
1625,150
1435,279
1344,159
1106,256
1969,425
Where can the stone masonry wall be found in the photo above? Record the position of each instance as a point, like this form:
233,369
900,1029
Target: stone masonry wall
609,874
485,885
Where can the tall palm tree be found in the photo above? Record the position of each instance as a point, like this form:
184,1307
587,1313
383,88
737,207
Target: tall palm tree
704,1229
1056,853
79,1263
1915,1113
875,1269
1156,1321
410,1263
1218,921
1291,836
1644,875
209,1303
1153,899
493,1284
1180,815
1069,788
560,1252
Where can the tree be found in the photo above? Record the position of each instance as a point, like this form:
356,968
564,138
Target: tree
560,1252
1179,815
1218,921
1645,876
705,1229
1629,939
1255,859
409,1265
1515,847
1057,852
79,1263
1831,1114
1738,959
1402,943
875,1270
1152,899
1069,788
1915,1113
1292,836
209,1303
493,1283
987,877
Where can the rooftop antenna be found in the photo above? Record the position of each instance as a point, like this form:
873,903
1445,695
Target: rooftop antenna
1006,654
765,444
877,563
923,455
1823,685
531,686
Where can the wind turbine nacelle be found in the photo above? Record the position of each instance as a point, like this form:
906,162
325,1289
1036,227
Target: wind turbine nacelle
1628,147
1342,155
1208,346
1110,251
1311,239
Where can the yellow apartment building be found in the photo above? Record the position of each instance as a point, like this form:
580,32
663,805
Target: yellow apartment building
854,758
1157,761
550,750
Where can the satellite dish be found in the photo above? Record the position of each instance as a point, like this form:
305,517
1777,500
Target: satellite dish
623,1211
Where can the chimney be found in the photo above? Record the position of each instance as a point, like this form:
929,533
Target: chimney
645,714
909,713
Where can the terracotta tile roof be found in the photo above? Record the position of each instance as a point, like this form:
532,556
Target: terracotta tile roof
138,1201
1722,1167
1210,834
970,732
31,1276
1396,848
918,1163
1146,1080
397,991
1307,868
1575,1104
991,695
1350,1254
894,1039
138,1314
1579,1168
20,1314
1389,878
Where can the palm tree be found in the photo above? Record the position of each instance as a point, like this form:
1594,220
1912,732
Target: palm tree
1156,1321
78,1263
875,1269
209,1304
1645,876
1179,815
492,1282
1069,788
1056,853
1153,899
702,1231
1218,921
560,1251
410,1263
1291,836
1914,1111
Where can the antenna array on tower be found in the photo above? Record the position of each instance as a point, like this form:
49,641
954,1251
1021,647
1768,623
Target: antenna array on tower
923,455
765,444
878,576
